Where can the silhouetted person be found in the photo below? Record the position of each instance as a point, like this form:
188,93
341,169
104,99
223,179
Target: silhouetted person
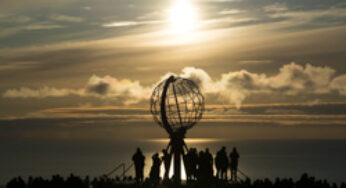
155,169
73,182
188,159
194,163
30,180
234,156
16,183
209,163
166,158
57,181
87,182
95,183
138,159
201,166
221,163
205,166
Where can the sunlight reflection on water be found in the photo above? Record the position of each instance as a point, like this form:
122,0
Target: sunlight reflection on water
187,140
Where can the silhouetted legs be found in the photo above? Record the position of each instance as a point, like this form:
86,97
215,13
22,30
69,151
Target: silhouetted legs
224,174
234,156
166,158
234,174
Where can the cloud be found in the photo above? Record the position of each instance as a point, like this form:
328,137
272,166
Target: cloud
303,115
325,17
232,87
231,11
87,8
292,79
339,84
199,76
43,26
42,92
278,16
220,1
17,65
107,87
131,23
110,87
276,7
10,18
29,27
66,18
253,62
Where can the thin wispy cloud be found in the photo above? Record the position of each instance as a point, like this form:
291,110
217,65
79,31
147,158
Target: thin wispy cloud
28,27
66,18
313,16
131,23
231,11
11,18
276,7
256,62
302,115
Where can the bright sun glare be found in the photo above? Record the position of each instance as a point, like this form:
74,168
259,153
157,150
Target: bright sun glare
183,17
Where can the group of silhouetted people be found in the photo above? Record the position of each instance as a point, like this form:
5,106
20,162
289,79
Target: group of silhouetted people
199,172
198,165
73,181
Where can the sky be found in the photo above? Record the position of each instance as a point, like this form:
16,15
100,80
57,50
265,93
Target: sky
85,69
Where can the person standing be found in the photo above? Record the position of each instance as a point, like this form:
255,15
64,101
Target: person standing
209,163
194,163
221,163
166,158
234,156
188,165
155,169
138,159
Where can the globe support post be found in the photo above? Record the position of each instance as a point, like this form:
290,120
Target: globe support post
177,145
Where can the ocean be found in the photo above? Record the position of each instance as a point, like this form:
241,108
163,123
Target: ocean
324,159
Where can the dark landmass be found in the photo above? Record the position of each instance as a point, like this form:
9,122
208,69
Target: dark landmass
73,181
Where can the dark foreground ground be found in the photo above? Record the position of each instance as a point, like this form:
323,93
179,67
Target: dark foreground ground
72,181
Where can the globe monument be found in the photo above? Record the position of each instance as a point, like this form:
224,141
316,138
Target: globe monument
177,104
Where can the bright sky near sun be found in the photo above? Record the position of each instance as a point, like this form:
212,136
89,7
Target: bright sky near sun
258,62
183,17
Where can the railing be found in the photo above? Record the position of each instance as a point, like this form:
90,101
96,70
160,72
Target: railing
124,169
128,168
243,174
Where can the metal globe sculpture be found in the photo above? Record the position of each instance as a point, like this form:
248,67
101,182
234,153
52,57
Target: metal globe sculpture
183,104
176,105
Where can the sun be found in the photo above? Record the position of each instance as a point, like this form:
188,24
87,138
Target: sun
183,17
